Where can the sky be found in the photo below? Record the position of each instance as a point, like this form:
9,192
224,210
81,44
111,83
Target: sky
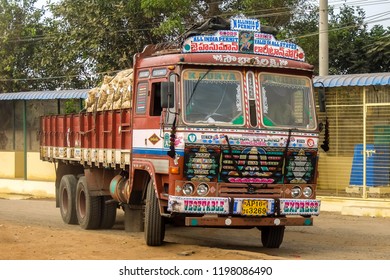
377,11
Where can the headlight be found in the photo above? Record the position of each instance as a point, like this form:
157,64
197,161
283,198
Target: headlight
202,189
296,191
307,191
188,188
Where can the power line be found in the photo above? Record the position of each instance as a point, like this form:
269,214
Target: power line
358,3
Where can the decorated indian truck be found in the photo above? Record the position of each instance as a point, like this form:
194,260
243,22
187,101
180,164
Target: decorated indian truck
217,131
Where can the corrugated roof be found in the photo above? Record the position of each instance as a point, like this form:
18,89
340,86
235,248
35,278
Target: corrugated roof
369,79
46,95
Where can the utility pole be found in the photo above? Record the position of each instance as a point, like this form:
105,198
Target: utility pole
324,43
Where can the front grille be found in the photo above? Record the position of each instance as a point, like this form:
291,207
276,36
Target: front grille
254,190
251,165
201,162
256,166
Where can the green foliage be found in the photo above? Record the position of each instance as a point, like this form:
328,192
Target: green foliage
19,25
99,36
378,49
79,41
167,16
347,36
72,106
276,13
352,47
303,30
174,16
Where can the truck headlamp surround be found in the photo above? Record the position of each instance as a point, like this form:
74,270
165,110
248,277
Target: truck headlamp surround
188,188
307,191
296,191
202,189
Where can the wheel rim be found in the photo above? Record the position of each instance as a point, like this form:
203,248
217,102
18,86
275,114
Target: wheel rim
82,205
65,201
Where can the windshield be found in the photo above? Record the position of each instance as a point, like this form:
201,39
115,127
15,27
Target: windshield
213,96
287,101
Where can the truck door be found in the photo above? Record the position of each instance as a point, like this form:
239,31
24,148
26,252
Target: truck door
148,137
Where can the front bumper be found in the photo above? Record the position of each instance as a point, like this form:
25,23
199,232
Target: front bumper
225,211
212,221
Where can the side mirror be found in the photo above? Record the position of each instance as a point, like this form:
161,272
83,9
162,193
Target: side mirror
322,99
167,95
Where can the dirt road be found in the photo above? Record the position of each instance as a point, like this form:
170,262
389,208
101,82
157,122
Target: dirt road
33,229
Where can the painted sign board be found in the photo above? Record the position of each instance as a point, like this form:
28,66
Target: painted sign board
245,39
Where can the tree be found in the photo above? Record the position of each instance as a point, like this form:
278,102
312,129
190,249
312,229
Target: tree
347,37
302,29
20,26
352,47
101,36
80,41
98,37
378,49
175,16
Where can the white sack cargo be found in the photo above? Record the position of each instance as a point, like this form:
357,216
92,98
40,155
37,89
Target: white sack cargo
114,93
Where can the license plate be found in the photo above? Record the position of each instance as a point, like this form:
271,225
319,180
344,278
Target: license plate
254,207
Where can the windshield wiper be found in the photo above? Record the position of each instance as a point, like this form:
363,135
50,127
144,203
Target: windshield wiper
196,85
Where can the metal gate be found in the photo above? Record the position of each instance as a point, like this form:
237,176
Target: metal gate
358,162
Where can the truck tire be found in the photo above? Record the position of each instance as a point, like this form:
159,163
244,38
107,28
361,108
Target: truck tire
154,228
272,236
67,199
88,208
108,212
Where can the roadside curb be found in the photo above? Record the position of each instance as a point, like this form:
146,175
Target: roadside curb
22,189
356,206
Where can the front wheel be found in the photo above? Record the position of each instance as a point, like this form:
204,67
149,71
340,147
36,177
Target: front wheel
272,236
154,228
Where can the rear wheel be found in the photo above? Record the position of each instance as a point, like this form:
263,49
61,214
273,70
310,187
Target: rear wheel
154,227
108,212
272,237
88,208
67,199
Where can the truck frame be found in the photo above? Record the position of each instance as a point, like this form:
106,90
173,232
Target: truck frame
221,132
